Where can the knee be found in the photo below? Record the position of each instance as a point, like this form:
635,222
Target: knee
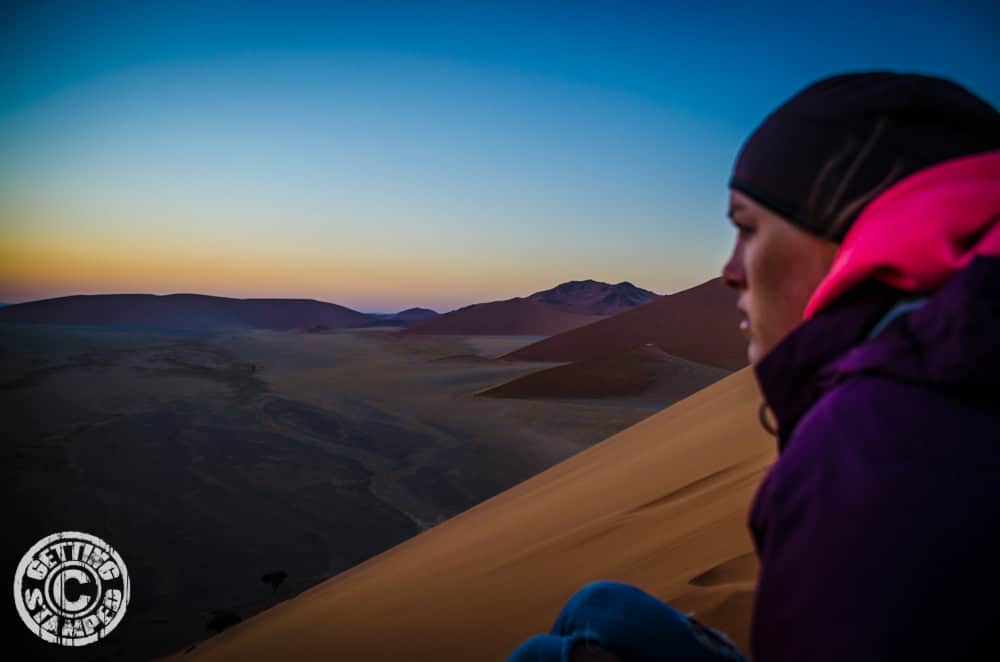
598,606
601,592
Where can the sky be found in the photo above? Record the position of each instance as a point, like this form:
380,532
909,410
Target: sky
388,155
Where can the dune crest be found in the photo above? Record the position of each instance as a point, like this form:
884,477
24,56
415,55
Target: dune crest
662,505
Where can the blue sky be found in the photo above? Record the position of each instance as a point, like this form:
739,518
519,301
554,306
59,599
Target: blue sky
385,155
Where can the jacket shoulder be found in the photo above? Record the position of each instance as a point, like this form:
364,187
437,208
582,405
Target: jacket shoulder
885,408
874,508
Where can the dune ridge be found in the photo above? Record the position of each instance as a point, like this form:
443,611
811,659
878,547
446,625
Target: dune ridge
514,317
699,324
662,505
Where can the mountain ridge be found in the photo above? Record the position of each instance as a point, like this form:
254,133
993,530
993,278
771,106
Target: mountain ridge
184,311
594,297
568,305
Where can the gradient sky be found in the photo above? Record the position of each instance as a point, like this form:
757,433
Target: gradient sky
388,155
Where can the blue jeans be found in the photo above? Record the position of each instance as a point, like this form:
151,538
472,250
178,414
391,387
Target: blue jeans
629,623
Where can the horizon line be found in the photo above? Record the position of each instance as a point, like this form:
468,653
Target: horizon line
301,298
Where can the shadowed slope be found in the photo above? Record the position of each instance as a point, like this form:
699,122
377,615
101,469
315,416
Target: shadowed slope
660,505
633,372
699,324
515,317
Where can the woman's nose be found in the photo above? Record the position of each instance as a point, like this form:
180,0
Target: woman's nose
732,272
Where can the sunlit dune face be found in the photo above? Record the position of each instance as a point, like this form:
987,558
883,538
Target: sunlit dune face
775,267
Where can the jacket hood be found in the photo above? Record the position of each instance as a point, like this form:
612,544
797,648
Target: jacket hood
936,235
921,231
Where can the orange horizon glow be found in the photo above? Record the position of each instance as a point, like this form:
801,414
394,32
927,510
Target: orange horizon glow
40,265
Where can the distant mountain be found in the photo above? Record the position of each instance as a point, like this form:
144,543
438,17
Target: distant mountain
184,311
415,315
591,297
700,324
566,306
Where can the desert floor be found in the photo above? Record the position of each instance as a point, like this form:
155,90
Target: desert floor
662,506
208,460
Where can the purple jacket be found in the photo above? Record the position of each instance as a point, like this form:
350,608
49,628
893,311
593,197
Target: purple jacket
878,528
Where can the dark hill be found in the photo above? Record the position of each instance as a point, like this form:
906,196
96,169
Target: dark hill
183,311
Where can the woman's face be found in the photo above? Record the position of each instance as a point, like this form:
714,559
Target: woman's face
775,266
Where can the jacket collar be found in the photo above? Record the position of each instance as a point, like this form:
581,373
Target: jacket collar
949,341
789,375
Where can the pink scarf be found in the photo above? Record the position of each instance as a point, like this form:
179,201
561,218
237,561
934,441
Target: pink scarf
920,231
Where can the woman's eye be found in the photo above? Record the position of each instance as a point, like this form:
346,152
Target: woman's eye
743,229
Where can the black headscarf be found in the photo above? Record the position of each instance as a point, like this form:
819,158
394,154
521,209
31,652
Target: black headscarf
833,147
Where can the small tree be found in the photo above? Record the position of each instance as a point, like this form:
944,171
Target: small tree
274,578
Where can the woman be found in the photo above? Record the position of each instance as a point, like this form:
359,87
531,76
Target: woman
867,264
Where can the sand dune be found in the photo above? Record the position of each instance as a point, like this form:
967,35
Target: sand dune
632,372
662,505
188,311
512,317
699,324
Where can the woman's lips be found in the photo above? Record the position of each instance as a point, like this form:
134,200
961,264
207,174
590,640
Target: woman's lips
745,326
